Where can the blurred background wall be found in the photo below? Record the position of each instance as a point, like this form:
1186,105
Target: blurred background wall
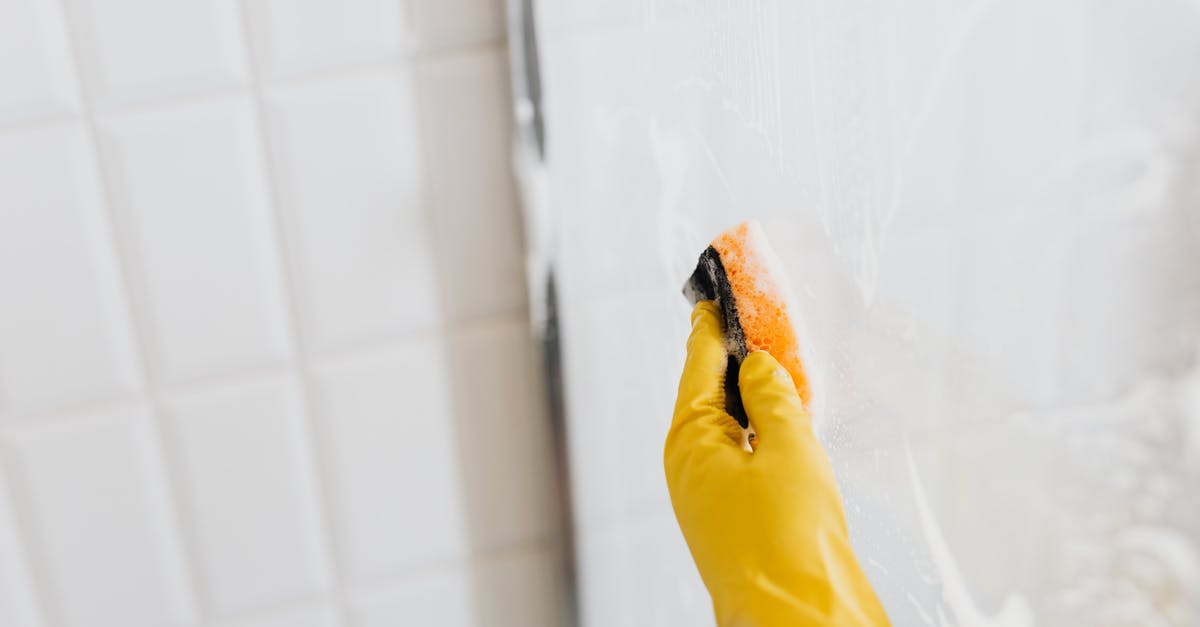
989,212
264,355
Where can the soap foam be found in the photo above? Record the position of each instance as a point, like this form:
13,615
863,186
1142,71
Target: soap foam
756,277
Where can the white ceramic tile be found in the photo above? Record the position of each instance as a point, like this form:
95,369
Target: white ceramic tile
440,598
444,24
63,326
248,493
504,435
18,606
465,125
523,589
189,187
294,36
304,615
137,49
388,442
35,65
350,172
102,534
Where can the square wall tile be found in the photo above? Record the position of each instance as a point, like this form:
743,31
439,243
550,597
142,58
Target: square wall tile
441,598
350,183
297,35
36,62
248,493
466,128
503,435
387,437
139,49
191,194
103,536
18,606
442,24
63,326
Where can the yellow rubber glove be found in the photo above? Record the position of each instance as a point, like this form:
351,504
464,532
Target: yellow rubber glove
766,528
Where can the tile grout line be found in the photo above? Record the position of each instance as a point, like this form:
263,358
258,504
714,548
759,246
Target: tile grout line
302,78
168,487
28,549
332,552
376,584
30,545
365,349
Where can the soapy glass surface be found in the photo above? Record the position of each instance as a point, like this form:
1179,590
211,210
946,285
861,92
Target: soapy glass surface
988,214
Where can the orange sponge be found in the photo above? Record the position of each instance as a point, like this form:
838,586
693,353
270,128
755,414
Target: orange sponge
743,275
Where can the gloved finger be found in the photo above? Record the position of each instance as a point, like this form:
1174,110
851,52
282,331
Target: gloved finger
772,404
700,406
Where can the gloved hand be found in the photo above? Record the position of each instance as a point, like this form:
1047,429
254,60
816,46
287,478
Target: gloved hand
766,528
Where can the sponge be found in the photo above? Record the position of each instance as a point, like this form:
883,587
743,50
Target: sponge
741,272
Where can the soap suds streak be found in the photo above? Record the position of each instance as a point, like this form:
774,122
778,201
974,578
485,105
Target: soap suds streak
1015,612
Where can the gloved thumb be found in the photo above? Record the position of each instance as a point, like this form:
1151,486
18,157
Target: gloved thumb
772,404
704,369
700,407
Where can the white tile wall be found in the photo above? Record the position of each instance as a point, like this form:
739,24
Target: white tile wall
63,326
303,615
244,467
189,188
100,533
141,49
366,269
294,37
263,358
18,606
39,79
387,433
